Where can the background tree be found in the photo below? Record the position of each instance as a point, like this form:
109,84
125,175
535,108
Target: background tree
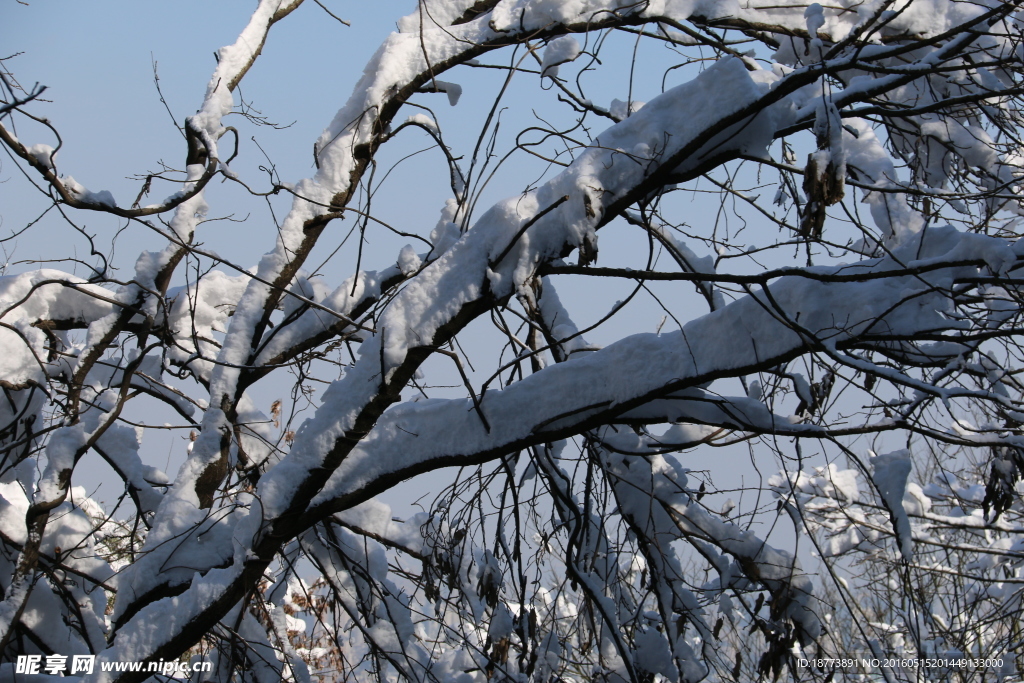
855,325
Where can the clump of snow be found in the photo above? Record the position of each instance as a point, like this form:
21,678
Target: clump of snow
13,506
44,154
408,260
815,16
303,289
421,119
374,517
446,232
501,623
802,388
890,210
828,482
198,313
103,197
620,110
37,295
559,51
567,337
453,90
890,472
653,654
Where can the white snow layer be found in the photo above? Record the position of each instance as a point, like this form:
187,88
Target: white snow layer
559,51
889,473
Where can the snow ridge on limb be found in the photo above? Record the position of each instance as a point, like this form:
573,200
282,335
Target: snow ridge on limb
467,274
640,479
647,489
754,332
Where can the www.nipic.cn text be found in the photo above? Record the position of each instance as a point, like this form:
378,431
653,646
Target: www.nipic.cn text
85,664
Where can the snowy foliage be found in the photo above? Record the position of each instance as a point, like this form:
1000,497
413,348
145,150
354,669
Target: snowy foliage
838,321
